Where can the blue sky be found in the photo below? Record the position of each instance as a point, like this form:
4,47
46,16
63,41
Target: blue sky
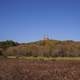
30,20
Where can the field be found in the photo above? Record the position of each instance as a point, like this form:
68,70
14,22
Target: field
24,69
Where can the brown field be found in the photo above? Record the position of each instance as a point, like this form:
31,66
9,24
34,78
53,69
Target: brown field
16,69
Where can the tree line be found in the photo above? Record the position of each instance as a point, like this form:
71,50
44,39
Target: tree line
44,48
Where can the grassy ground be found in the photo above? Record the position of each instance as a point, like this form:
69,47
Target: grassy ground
45,58
22,69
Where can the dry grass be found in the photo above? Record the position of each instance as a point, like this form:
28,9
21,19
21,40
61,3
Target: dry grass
44,58
22,69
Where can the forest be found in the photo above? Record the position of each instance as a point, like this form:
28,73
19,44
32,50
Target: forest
44,48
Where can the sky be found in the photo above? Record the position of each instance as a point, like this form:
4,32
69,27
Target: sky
30,20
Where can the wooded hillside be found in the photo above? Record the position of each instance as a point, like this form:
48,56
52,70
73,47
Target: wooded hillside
45,48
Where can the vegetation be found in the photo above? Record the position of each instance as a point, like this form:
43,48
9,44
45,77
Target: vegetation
15,69
42,48
8,43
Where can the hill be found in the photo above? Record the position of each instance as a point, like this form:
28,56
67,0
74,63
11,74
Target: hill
46,48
